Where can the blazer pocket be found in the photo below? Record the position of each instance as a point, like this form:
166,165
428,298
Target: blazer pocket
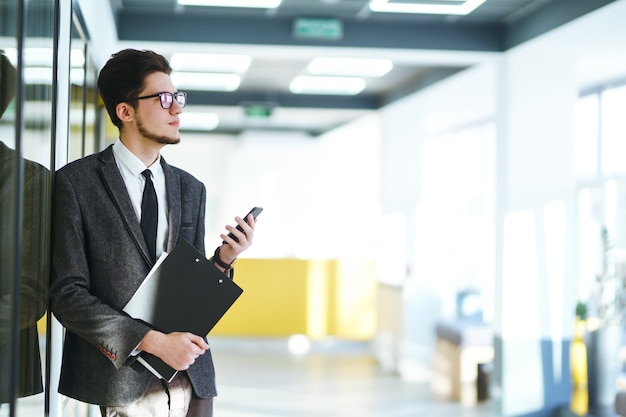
188,231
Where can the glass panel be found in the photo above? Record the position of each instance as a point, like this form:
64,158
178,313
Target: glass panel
25,179
8,187
587,137
458,200
613,131
599,216
8,81
83,100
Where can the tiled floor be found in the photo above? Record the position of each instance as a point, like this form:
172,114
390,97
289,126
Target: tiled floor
255,380
260,378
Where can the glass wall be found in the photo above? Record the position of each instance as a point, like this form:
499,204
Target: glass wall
83,97
600,146
49,115
459,225
27,137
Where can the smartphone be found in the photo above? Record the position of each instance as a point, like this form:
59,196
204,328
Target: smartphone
255,212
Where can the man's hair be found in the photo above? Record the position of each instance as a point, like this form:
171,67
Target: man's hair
123,77
8,82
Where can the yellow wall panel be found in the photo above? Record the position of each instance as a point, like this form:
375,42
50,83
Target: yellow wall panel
317,298
273,302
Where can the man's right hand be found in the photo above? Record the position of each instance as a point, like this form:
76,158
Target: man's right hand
178,350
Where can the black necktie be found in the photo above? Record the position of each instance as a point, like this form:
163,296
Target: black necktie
149,214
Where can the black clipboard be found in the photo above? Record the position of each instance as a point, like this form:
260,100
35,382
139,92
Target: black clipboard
184,292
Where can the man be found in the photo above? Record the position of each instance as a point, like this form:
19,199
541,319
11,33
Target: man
101,256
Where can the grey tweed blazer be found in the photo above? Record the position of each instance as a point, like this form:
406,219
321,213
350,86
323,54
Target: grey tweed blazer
99,259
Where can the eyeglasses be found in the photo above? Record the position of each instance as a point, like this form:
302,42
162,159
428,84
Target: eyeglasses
166,98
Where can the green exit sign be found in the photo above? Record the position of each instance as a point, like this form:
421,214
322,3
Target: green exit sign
317,28
257,111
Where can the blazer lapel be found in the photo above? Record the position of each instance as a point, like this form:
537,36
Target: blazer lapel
114,184
172,185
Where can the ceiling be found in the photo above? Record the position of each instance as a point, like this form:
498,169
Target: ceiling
424,49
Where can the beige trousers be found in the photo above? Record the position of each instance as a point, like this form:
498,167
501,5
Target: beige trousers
174,399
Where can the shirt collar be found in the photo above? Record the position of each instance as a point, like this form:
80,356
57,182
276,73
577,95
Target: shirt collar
130,161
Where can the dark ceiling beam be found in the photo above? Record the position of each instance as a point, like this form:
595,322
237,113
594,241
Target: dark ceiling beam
364,102
203,27
133,25
161,27
236,131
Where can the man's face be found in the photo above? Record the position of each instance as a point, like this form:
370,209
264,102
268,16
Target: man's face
153,121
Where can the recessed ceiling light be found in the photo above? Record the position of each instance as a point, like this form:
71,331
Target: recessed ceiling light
198,121
345,86
210,62
261,4
461,7
206,81
356,67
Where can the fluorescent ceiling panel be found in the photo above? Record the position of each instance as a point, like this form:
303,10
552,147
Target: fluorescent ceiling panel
345,86
38,57
459,7
44,57
261,4
354,67
77,58
38,75
77,76
198,121
206,81
210,62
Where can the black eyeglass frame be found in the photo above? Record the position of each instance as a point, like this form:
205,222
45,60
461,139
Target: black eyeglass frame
164,94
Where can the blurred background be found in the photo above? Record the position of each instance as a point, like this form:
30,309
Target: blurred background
442,184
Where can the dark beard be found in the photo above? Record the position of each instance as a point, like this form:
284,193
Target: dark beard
163,140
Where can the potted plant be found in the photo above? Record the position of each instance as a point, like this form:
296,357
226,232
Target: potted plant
579,403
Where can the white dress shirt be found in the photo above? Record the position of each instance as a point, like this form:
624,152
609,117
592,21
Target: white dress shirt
131,168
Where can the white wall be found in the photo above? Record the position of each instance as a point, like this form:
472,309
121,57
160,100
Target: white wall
461,101
530,94
99,19
539,85
535,296
320,195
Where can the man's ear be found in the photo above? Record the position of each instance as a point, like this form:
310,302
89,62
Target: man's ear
124,112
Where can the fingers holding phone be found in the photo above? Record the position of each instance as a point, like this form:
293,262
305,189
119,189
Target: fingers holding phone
240,237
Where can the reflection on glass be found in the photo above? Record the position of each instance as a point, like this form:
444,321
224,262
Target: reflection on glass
602,192
83,100
33,265
24,206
